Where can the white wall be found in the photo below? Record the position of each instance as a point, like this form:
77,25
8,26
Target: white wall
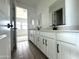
43,8
71,12
70,16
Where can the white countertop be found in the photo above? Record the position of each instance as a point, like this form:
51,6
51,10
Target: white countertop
60,31
57,31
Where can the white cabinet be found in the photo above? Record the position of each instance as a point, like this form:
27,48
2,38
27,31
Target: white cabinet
52,48
57,45
38,42
68,45
48,47
45,45
67,51
42,44
32,37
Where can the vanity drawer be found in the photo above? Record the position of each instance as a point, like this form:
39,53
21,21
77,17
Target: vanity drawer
72,38
49,34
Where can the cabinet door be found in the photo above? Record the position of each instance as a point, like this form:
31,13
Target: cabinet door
45,46
31,35
42,44
38,42
51,49
67,51
35,38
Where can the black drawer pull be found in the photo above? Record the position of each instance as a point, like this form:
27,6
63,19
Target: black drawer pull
57,48
43,41
46,42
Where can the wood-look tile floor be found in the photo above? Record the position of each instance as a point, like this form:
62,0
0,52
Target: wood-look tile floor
26,50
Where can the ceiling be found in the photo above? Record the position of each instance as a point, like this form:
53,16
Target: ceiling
29,2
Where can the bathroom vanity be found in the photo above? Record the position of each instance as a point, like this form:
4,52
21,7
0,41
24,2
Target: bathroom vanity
62,43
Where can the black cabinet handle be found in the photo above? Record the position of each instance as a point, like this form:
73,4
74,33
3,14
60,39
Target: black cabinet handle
46,42
43,41
57,48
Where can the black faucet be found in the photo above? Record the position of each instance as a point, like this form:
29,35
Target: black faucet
38,28
54,27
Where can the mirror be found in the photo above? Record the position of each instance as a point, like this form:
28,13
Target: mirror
57,12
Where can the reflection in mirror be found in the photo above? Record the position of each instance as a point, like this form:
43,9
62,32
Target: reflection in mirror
58,17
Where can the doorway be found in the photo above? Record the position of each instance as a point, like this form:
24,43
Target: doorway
21,24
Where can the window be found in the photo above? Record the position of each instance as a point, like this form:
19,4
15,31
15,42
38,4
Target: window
21,13
21,25
24,25
18,25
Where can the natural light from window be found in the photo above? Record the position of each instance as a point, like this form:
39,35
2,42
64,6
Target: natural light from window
21,13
